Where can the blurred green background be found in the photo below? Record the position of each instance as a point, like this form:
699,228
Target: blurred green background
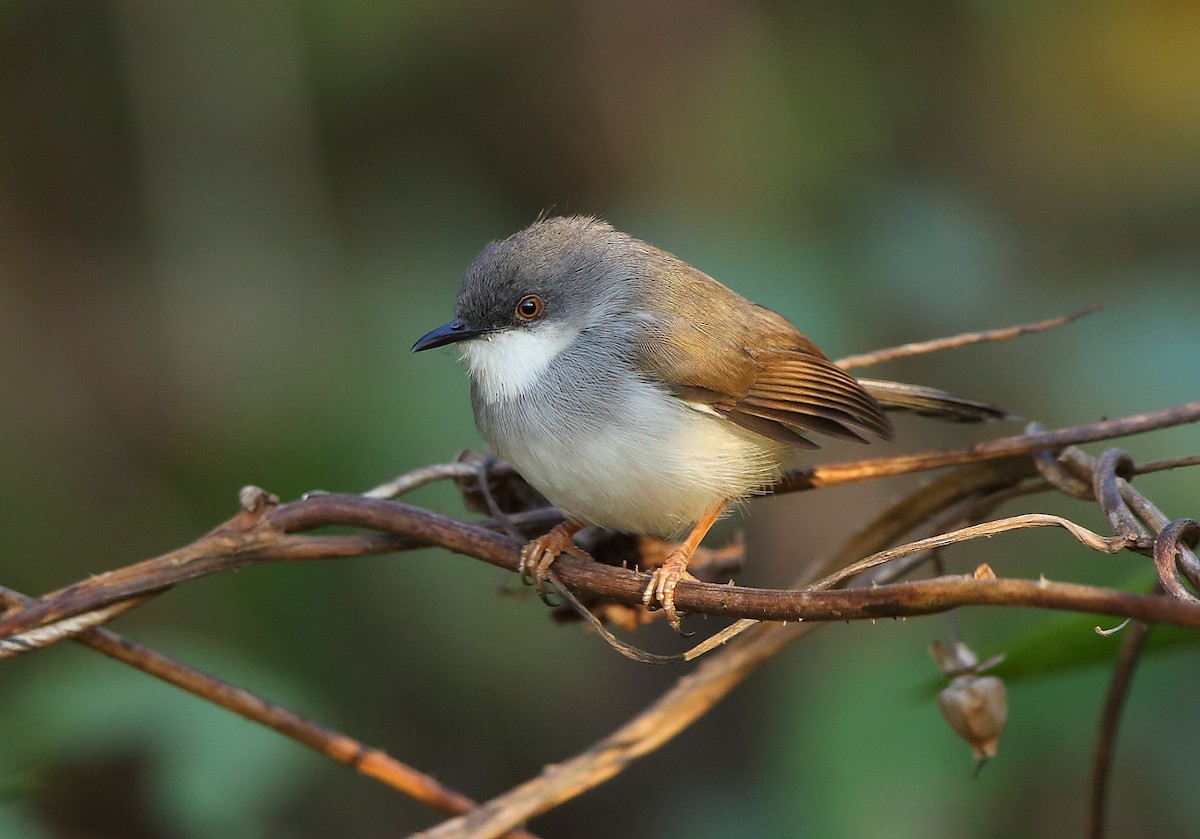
222,226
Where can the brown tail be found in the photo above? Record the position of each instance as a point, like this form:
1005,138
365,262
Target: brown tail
931,402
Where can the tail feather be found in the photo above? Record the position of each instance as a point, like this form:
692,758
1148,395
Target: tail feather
931,402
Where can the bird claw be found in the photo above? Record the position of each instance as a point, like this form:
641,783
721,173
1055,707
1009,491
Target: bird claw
661,590
539,554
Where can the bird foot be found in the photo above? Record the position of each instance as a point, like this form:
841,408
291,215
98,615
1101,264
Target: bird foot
661,590
540,553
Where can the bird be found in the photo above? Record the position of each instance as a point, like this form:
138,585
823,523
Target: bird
639,394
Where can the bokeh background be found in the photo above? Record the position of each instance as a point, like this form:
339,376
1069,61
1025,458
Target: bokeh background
222,225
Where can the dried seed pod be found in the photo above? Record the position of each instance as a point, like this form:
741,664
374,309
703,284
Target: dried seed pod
975,706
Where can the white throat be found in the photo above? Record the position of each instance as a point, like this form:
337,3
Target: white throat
508,364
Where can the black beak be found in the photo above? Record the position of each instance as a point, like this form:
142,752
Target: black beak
449,333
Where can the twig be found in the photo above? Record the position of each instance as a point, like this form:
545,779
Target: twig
689,699
1167,463
1111,465
970,512
956,341
1104,544
1114,702
420,477
364,759
814,477
1169,546
46,636
1154,519
936,501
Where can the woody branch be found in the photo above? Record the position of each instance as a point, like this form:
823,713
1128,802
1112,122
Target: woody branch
265,531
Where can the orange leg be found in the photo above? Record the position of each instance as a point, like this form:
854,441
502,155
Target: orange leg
667,576
540,553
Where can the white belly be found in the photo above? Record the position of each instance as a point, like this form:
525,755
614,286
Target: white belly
642,462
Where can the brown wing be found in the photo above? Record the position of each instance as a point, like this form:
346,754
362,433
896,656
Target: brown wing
778,384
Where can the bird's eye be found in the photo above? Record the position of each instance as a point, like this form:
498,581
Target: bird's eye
530,307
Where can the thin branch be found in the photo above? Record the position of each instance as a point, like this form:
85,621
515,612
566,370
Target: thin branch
420,477
689,699
362,758
1170,544
931,503
971,512
1114,702
51,634
814,477
1167,463
1143,508
956,341
1104,544
1115,464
